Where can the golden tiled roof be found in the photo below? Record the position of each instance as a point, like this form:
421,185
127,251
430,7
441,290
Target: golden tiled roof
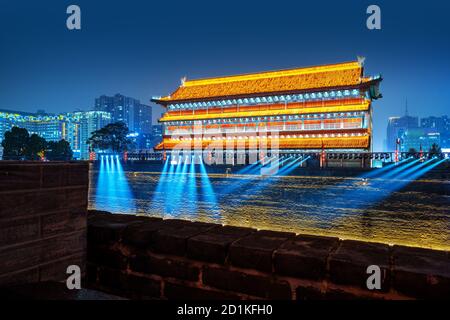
333,75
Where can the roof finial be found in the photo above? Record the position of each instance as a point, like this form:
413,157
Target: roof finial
361,60
183,80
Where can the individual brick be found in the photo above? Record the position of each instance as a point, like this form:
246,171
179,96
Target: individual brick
54,176
255,285
104,256
49,200
19,230
213,245
255,250
166,267
77,197
175,291
172,239
62,246
65,221
309,293
14,205
348,264
305,256
112,279
23,276
19,176
137,287
339,294
109,229
91,273
57,270
141,235
421,273
20,257
78,174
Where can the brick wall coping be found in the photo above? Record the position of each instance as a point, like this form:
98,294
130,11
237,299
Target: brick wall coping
148,257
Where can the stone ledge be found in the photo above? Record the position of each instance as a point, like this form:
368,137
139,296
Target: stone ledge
200,259
255,250
304,256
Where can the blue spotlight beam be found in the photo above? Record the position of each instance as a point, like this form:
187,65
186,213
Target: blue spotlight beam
408,172
377,172
112,186
295,164
208,191
399,169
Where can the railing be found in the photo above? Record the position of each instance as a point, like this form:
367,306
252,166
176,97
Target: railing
316,154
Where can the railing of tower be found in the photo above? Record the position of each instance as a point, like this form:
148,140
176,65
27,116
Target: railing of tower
382,157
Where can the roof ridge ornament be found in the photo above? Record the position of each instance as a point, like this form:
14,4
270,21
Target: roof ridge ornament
361,60
183,80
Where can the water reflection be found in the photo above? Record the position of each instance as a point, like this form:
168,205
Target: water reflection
391,211
112,189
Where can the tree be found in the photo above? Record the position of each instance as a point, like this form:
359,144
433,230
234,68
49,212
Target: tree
15,144
112,137
435,150
58,151
412,152
35,148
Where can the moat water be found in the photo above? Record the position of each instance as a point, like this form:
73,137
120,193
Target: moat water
414,213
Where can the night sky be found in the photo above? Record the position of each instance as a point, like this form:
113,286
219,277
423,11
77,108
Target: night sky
143,48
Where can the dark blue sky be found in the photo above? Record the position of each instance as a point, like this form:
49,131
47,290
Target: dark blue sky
143,48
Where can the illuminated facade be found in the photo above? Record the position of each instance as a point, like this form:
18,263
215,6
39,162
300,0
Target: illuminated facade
74,127
298,110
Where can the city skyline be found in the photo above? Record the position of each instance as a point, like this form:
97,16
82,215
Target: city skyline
143,50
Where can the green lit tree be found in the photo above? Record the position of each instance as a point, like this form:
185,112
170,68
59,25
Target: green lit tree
435,150
412,151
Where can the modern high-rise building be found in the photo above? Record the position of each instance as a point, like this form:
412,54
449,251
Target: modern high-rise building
397,126
419,139
441,125
137,116
74,127
82,124
52,127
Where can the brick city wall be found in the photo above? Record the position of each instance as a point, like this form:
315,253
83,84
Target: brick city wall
150,258
43,207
